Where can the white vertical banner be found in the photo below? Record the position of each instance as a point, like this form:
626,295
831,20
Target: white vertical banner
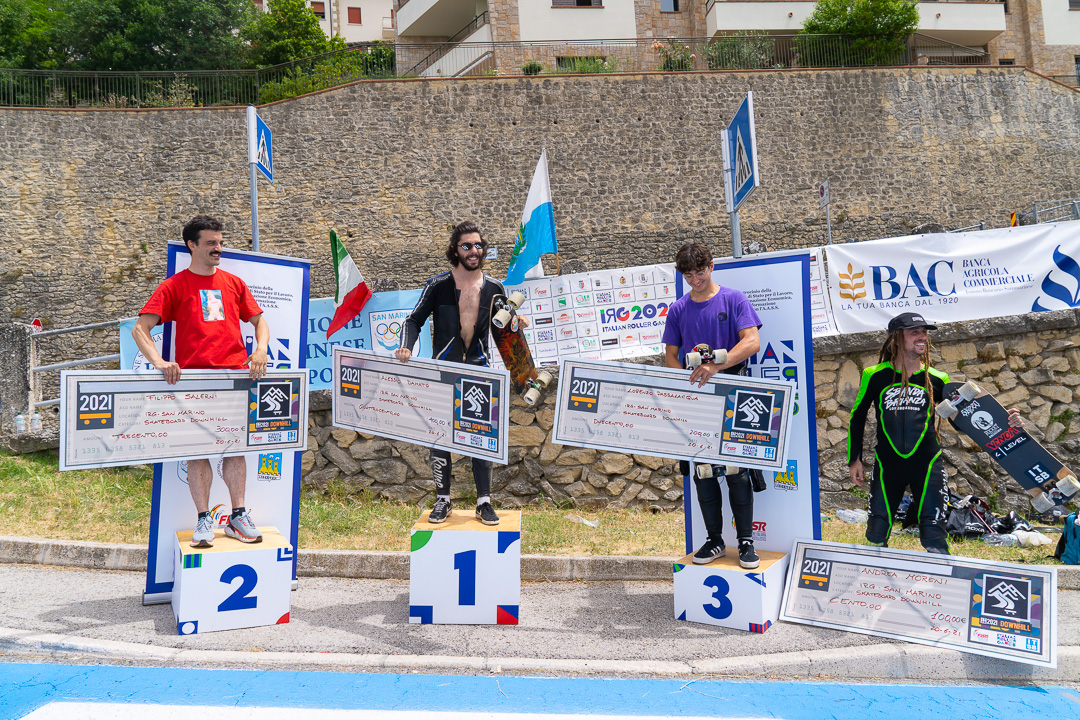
778,287
281,286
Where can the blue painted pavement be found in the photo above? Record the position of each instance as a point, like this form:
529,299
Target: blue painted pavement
72,692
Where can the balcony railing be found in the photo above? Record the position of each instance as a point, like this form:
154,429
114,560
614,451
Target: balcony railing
40,88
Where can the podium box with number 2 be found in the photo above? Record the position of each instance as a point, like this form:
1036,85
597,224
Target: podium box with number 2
723,593
232,584
464,572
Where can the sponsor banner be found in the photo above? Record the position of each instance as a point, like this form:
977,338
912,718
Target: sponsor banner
778,286
656,411
281,286
440,404
949,277
122,417
377,328
975,606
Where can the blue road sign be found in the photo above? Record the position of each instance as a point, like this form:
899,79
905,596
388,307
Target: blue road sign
260,148
741,150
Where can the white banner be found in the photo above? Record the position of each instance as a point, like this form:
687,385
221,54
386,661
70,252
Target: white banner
778,286
949,277
281,286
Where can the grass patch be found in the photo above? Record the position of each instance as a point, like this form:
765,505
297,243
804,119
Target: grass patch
113,505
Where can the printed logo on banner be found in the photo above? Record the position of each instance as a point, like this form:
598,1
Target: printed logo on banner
560,286
629,339
562,302
547,351
274,400
541,306
544,320
624,295
540,292
269,467
601,283
476,401
278,354
650,337
585,315
95,410
644,278
386,327
623,280
852,286
563,317
753,411
546,335
665,290
609,342
1007,598
568,347
604,297
528,335
1064,297
580,284
646,293
984,421
787,479
588,344
588,330
349,385
757,529
567,332
775,365
583,299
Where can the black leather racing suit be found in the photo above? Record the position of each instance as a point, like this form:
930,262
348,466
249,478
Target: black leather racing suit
439,301
907,451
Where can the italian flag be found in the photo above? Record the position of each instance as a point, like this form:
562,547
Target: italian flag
352,291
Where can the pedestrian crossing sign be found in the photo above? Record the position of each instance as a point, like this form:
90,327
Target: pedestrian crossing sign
739,145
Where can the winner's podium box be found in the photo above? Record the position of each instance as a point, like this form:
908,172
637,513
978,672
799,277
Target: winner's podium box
726,594
464,572
232,584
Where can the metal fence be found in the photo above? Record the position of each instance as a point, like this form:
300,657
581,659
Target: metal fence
749,51
1051,211
1071,80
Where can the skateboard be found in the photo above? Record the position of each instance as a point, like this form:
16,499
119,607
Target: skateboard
976,413
526,381
702,354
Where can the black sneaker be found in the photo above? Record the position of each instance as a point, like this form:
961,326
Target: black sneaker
486,514
709,552
440,512
938,551
747,557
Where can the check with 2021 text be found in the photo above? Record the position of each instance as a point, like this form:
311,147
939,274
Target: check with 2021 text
622,407
445,405
120,417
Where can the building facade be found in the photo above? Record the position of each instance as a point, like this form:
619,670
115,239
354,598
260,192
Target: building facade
356,21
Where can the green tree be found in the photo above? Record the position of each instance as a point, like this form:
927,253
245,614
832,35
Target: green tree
26,34
288,31
154,34
874,32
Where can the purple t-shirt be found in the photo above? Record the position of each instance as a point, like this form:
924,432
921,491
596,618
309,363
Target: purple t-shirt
715,322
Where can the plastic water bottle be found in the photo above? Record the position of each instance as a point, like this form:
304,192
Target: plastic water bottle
35,422
852,516
20,424
1008,540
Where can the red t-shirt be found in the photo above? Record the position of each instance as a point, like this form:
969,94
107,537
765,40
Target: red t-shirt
207,310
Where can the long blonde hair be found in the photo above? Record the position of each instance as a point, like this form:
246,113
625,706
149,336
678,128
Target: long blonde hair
892,351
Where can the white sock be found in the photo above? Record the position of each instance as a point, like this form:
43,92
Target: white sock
481,500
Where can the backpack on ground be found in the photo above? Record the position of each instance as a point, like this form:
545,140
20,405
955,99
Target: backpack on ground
1068,547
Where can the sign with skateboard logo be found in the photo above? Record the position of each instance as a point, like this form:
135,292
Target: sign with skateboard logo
461,408
974,606
119,417
621,407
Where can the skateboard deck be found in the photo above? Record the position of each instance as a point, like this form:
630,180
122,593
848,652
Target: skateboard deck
505,331
976,413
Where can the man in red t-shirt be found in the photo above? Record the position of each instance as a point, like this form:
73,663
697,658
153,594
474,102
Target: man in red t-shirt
207,305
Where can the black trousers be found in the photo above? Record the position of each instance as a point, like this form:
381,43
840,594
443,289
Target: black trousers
440,471
741,497
925,473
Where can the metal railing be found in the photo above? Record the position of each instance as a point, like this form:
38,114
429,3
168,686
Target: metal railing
37,337
1070,80
1051,211
980,226
750,51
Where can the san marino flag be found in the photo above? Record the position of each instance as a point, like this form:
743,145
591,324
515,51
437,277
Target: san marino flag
536,233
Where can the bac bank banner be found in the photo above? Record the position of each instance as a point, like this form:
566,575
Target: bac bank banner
778,286
949,277
376,329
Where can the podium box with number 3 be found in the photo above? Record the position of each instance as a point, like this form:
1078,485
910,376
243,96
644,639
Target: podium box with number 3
723,593
232,584
464,572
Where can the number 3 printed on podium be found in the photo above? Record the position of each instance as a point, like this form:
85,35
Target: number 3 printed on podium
720,591
240,599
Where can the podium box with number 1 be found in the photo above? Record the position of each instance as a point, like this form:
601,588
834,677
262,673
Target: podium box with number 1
726,594
232,584
464,572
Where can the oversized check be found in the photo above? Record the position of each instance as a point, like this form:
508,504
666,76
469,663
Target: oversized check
461,408
120,417
975,606
732,420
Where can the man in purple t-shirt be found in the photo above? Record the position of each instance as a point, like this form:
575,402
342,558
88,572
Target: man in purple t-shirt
720,318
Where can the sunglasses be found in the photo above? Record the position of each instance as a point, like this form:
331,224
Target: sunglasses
472,246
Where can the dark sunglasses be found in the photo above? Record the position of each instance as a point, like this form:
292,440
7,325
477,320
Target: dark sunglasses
472,246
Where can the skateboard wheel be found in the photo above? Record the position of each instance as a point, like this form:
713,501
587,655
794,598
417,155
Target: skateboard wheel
501,318
720,356
531,396
693,359
704,472
1068,486
544,378
946,410
516,299
1041,503
969,390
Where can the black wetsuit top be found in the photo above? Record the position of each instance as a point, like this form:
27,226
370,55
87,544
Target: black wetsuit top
904,415
439,300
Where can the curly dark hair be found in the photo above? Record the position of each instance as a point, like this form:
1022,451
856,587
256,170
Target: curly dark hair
465,228
196,225
693,256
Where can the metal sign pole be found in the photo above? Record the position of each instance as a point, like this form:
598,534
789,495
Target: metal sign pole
736,236
252,151
828,222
